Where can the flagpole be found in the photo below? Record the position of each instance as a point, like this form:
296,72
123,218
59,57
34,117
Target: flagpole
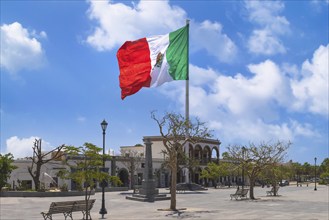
187,113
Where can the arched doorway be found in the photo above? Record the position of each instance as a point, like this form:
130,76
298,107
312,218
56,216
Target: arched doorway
215,154
206,155
198,153
124,177
197,173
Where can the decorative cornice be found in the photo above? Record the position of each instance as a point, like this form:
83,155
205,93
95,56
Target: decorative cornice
204,140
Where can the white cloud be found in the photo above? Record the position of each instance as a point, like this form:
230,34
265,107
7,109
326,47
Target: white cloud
209,36
117,23
243,109
265,39
201,76
22,147
20,48
311,90
246,96
264,42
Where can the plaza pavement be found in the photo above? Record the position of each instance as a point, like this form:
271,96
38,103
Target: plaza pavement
294,202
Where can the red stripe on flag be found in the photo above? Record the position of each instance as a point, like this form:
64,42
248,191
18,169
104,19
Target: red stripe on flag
135,66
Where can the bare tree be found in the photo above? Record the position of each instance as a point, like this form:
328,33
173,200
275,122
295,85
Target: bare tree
176,132
40,158
132,160
272,174
254,159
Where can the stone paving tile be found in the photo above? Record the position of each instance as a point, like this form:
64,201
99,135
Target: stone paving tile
297,203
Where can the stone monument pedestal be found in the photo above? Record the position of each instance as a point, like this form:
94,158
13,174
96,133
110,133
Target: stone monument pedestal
148,192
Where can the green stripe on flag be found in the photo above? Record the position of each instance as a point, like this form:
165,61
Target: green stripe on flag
177,53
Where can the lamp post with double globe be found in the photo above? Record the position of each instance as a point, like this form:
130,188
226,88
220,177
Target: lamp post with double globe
103,210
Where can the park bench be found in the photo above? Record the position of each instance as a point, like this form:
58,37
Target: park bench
240,193
66,208
273,191
181,188
221,185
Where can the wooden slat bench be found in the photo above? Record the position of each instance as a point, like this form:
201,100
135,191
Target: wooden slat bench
66,208
240,193
271,192
181,189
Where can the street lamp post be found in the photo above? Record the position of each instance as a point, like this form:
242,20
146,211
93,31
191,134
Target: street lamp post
103,210
315,173
281,174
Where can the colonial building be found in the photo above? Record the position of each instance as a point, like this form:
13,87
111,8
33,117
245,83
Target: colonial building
128,166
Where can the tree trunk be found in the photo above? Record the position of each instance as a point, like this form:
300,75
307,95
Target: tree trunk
36,176
251,190
132,172
86,200
132,182
275,189
173,186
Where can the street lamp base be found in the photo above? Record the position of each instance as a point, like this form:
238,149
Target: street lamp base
103,211
315,189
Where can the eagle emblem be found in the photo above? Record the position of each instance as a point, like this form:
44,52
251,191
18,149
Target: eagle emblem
159,59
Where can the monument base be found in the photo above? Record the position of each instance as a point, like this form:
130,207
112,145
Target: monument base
148,192
144,198
148,188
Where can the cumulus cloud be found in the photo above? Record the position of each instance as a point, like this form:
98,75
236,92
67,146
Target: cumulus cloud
311,89
22,147
266,38
20,48
118,22
216,43
254,96
248,106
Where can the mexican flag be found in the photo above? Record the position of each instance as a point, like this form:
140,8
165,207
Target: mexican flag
152,61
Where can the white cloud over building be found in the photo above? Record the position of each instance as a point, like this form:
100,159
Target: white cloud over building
20,147
20,48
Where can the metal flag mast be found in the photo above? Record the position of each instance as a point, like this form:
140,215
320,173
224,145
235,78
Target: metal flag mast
187,117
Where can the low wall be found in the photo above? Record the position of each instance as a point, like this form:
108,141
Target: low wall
113,189
56,194
42,194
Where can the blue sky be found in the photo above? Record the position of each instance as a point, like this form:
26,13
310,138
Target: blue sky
258,72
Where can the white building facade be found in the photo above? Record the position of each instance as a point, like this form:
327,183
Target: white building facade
129,166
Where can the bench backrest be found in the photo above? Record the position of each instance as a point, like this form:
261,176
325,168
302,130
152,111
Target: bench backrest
238,191
70,206
80,205
60,207
181,187
277,189
244,192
